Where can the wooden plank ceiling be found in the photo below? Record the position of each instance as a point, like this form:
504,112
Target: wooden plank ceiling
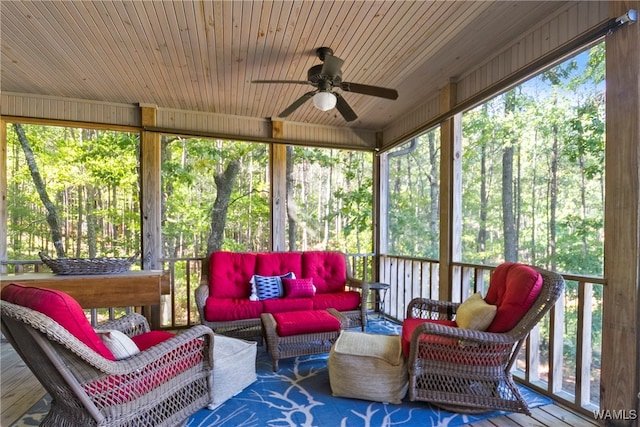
203,55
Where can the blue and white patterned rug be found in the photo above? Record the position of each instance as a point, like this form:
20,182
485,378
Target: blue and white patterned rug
299,394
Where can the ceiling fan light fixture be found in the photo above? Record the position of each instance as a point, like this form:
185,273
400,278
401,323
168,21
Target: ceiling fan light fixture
324,101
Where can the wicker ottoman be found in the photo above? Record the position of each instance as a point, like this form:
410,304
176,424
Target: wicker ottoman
369,367
234,367
301,333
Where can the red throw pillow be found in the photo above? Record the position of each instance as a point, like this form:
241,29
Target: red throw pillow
299,288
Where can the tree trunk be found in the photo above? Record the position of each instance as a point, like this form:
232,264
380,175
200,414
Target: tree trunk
52,216
224,187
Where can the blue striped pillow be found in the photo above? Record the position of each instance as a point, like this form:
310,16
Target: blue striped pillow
270,286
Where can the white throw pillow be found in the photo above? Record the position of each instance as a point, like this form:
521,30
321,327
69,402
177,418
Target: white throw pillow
118,343
475,313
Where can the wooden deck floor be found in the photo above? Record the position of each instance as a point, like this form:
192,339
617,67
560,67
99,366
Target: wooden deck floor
20,391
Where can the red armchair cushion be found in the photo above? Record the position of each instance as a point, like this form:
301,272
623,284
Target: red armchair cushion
60,307
513,289
278,263
226,309
341,301
328,270
305,322
147,340
230,273
279,305
409,325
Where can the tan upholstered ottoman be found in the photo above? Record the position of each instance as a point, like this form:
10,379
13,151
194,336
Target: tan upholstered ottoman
369,367
234,367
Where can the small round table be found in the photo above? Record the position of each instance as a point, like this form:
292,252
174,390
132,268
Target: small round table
381,294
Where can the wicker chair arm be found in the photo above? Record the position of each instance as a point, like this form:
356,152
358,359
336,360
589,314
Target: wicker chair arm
456,333
157,355
131,324
424,308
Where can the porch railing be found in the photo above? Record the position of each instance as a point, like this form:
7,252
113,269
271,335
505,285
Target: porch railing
561,357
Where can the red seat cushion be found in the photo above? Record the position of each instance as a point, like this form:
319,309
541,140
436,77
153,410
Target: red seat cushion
450,350
226,309
149,339
409,325
328,270
60,307
279,305
513,289
341,301
230,273
305,322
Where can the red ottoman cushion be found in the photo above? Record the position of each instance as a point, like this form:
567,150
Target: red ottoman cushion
305,322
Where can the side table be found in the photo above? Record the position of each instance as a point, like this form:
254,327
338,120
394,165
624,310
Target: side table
381,294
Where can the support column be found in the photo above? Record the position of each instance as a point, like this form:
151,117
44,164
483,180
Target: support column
3,195
620,376
278,171
450,195
150,198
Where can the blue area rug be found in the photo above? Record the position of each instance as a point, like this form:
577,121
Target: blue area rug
299,394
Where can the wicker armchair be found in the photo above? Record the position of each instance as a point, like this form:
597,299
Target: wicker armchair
465,370
160,386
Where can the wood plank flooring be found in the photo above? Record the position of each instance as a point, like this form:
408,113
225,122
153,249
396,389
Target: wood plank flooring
20,391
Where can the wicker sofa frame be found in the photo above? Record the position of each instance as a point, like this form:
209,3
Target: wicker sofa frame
437,376
67,367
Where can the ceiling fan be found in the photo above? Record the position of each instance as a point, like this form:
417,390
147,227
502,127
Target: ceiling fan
325,77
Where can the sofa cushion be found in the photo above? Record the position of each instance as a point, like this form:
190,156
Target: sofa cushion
279,305
278,263
229,274
229,309
513,289
266,287
305,322
328,270
341,301
298,288
147,340
60,307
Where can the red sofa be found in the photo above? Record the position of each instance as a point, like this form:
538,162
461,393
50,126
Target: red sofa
240,286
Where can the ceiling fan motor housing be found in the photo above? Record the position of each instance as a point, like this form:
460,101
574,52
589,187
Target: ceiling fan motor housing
315,77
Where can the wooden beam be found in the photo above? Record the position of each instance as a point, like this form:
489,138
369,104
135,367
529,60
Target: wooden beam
278,170
620,376
3,194
450,195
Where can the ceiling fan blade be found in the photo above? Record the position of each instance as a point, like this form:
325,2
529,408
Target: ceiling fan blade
381,92
332,65
297,103
301,82
344,109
